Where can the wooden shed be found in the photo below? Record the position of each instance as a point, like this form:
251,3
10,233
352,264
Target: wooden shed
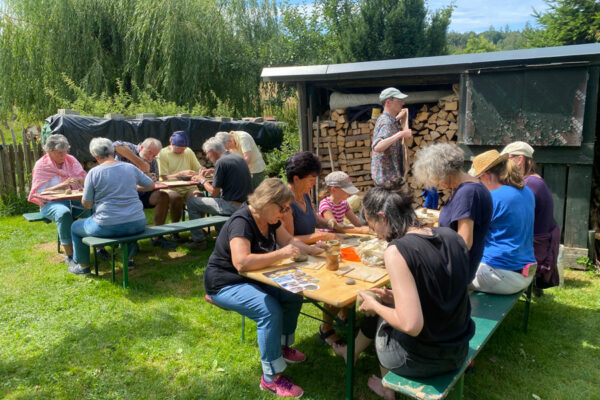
547,97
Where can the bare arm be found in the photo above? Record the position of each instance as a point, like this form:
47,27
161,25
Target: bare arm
465,230
384,144
407,315
139,162
247,157
87,204
243,260
288,224
284,238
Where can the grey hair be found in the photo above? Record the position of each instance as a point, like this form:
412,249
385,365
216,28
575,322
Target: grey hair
149,142
436,162
213,144
224,137
102,148
56,142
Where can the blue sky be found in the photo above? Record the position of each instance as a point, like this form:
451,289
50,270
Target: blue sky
479,15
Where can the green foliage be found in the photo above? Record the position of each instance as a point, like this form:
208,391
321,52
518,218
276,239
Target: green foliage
591,265
275,159
490,40
12,203
567,22
386,29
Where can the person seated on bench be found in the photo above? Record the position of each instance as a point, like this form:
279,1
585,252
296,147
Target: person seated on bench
229,189
508,262
469,209
111,188
57,170
422,326
302,169
247,242
175,161
546,235
143,156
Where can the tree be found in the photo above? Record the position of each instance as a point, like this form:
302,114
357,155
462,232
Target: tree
566,22
386,29
478,44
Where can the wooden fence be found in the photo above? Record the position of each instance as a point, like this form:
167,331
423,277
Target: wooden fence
16,164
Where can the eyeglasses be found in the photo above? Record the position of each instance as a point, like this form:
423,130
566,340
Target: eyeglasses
282,209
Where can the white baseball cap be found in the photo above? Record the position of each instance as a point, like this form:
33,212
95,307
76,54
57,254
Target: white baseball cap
391,92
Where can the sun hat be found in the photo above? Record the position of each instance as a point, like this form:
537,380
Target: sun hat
179,139
518,149
391,92
342,180
487,160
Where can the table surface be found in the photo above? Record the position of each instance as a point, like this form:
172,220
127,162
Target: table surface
173,184
332,287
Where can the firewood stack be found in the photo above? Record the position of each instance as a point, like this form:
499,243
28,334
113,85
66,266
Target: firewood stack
348,145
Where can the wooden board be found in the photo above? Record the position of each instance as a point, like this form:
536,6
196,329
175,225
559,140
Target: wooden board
577,210
174,184
555,176
332,288
56,195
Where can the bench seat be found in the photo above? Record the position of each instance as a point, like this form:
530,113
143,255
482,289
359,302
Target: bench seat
36,217
149,232
487,312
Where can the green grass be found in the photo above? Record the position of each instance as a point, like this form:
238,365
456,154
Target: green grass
70,337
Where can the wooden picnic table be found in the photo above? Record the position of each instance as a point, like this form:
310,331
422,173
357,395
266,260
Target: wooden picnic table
332,291
60,195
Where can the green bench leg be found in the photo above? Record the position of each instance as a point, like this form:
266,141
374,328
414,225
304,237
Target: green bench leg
457,392
95,259
114,249
125,264
58,243
350,353
527,305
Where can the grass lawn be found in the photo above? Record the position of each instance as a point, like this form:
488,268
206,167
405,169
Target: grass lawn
72,337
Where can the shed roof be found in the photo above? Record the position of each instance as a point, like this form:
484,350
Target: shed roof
452,64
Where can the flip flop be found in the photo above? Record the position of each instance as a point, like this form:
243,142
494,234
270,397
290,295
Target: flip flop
324,335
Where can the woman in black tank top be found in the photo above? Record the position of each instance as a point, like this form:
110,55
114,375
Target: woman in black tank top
422,326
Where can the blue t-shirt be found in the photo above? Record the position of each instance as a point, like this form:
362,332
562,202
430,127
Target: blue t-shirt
304,222
112,188
509,241
470,200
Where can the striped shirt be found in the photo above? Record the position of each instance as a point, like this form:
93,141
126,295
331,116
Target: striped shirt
338,210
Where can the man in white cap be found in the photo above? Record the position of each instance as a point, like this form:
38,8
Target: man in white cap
387,159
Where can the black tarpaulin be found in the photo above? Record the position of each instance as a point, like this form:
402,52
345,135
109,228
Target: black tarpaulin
81,130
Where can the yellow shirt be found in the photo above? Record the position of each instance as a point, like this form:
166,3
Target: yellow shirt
170,163
245,143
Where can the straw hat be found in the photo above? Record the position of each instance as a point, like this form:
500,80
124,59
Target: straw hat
487,160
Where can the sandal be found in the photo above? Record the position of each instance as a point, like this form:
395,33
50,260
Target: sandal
324,335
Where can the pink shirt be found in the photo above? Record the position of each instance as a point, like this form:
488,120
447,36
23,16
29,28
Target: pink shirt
338,210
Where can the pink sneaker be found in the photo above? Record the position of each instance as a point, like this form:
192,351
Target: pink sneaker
282,386
292,356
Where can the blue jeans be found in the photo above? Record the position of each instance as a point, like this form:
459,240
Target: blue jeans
275,312
63,213
208,205
89,227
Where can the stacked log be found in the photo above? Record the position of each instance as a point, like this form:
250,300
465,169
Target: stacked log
347,146
436,123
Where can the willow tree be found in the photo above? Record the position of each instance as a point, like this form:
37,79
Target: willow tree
188,51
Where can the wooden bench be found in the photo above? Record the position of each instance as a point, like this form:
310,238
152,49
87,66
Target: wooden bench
487,311
149,232
38,217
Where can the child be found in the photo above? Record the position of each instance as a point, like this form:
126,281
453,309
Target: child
334,207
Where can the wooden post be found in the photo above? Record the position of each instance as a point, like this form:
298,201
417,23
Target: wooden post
14,138
2,137
3,185
10,173
302,116
27,154
19,159
318,138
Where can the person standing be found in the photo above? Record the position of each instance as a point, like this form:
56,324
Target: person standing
387,155
229,189
243,144
546,235
174,161
143,156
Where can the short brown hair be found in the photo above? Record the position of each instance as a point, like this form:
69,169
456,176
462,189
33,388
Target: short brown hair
271,190
508,174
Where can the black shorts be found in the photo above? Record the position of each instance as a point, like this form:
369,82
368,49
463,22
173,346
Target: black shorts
145,198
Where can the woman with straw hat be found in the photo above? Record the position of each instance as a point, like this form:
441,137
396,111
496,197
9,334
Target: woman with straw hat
546,235
508,262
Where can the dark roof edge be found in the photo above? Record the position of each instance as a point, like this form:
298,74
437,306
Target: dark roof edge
433,65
